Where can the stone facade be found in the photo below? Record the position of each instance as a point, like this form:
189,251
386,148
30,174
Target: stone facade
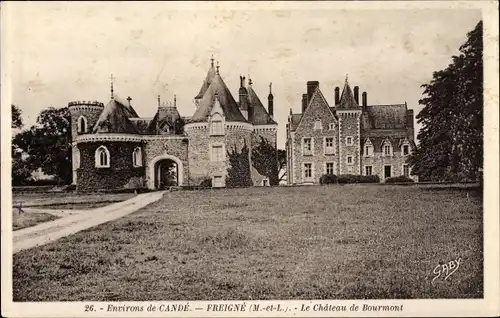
350,129
199,148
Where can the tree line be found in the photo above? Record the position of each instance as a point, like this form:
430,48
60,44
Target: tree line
451,139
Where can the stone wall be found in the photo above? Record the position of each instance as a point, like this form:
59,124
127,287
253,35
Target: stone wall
200,164
164,147
317,110
349,126
121,173
378,161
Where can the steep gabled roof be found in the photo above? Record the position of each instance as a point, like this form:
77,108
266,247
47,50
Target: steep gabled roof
387,116
227,102
168,117
115,119
317,93
258,114
347,97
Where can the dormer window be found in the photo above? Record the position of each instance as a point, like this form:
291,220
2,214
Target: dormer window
387,149
102,157
137,157
405,149
368,150
217,125
82,125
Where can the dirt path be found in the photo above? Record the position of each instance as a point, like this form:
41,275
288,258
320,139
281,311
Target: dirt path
44,233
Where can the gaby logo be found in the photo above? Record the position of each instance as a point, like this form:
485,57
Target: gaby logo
445,270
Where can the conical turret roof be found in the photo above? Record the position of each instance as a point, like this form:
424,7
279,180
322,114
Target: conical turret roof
347,98
258,114
115,119
226,100
206,83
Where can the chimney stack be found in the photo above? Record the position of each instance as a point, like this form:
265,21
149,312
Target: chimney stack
304,102
337,95
356,94
365,103
311,88
243,98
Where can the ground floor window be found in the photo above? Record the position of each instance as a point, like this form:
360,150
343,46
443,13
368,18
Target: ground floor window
218,182
406,171
330,168
307,170
368,170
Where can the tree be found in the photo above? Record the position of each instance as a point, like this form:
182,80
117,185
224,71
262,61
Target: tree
281,163
265,160
451,138
48,145
17,121
238,174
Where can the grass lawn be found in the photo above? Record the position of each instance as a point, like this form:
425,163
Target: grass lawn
68,200
27,219
328,242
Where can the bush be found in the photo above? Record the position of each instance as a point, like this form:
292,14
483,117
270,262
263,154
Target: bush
352,178
328,179
399,179
206,183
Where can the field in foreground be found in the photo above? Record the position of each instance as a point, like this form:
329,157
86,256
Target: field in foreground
27,219
68,200
330,242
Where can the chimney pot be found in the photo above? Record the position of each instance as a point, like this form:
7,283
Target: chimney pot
356,94
365,102
311,88
304,102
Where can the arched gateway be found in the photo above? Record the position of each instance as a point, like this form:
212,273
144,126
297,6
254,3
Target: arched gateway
160,168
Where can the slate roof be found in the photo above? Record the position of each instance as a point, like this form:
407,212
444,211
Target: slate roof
378,141
141,124
206,83
226,100
258,114
294,122
387,116
170,115
347,98
115,119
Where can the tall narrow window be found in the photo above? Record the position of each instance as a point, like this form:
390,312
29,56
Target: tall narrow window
217,125
406,171
82,124
406,150
137,157
217,153
368,151
387,150
307,146
329,145
349,160
348,141
368,170
102,159
307,170
330,168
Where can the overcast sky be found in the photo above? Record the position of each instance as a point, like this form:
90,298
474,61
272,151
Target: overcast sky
67,51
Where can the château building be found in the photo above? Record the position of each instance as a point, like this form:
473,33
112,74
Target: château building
347,138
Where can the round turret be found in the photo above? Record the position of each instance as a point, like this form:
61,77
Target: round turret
84,115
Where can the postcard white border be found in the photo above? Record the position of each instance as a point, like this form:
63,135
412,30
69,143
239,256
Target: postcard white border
424,308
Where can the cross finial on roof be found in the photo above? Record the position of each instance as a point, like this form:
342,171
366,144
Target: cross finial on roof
218,67
175,100
270,87
212,59
112,78
129,99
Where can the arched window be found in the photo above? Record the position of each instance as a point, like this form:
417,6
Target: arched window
82,124
217,125
102,158
137,157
